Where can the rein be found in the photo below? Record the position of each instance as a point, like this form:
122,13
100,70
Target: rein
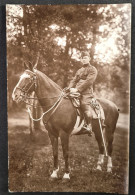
33,98
25,90
55,105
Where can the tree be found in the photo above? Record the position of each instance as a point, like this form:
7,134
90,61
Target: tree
60,32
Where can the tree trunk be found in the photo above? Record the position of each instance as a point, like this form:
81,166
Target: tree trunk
92,50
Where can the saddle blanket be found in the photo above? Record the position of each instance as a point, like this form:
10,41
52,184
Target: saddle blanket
78,125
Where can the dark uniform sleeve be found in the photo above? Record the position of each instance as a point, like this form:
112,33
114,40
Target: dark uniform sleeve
74,81
88,81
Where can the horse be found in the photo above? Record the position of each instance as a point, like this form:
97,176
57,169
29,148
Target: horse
59,116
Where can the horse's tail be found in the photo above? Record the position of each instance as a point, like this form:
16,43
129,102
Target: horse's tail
116,118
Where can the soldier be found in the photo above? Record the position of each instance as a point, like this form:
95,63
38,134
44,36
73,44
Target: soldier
83,83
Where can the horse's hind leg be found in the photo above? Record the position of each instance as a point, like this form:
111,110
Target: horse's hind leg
54,142
65,147
101,149
109,138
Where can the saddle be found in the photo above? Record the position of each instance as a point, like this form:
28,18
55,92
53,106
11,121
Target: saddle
97,110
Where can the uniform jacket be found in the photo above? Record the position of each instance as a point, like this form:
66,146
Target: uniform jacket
84,79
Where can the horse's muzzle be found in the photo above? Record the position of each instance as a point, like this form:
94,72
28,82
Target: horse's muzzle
16,95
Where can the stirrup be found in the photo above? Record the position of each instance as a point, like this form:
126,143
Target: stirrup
88,129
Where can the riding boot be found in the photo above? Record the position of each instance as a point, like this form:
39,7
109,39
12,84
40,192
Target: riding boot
88,125
88,128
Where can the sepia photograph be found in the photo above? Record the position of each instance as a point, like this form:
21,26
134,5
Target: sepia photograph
68,96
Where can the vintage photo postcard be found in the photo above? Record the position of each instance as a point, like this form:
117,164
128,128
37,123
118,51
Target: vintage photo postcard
68,97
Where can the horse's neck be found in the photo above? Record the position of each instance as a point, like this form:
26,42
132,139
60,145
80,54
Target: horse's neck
47,91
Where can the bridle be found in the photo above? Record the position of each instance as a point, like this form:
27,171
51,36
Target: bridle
28,86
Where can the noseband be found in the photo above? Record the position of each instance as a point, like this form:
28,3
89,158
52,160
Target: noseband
28,86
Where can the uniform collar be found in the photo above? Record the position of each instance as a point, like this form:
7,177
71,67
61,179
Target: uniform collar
86,65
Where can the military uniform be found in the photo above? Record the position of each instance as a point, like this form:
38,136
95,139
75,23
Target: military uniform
83,82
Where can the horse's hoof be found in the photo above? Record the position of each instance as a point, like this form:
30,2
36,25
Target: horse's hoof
52,178
66,177
54,174
99,168
109,170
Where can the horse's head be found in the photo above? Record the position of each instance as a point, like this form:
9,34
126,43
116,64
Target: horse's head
26,84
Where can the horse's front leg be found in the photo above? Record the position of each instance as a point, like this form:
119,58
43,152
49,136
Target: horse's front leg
100,162
65,147
54,142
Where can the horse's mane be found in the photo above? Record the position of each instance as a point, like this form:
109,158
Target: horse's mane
50,81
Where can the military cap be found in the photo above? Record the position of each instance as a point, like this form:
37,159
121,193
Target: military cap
85,53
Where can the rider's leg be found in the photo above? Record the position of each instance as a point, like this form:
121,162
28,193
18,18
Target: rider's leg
88,117
87,111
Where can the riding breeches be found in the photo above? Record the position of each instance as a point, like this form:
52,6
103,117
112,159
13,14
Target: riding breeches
86,107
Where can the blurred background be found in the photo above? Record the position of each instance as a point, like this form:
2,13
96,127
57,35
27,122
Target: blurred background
59,33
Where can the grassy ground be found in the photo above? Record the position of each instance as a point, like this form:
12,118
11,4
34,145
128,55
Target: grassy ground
31,163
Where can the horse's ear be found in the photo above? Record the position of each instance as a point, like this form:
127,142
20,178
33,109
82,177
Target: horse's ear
35,66
25,66
30,66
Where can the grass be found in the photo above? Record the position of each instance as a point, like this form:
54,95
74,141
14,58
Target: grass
31,163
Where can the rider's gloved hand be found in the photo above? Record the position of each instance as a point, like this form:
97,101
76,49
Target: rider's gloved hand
66,89
73,90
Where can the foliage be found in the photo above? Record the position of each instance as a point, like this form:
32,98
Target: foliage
60,32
